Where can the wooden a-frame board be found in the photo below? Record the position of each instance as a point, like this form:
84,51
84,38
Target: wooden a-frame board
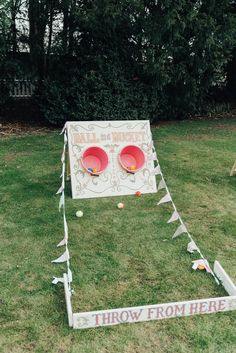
111,136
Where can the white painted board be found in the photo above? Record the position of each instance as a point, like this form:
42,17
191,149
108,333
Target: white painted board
112,136
224,278
153,312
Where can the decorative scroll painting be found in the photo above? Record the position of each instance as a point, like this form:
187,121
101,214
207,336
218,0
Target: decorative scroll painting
112,137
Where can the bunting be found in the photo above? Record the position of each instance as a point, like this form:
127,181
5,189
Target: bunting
62,201
65,257
57,280
161,185
59,191
182,229
200,264
165,199
192,247
174,217
152,157
62,242
157,170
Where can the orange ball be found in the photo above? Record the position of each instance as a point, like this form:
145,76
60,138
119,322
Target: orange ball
201,267
138,193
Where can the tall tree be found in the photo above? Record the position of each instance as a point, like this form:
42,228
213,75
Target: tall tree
38,13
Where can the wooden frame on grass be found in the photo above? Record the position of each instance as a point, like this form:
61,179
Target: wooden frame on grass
119,134
117,316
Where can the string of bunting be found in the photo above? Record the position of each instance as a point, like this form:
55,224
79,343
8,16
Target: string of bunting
65,257
181,229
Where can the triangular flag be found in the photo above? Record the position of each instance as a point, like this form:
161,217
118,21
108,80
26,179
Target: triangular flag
62,201
174,217
166,198
192,247
69,275
59,191
63,171
57,279
65,227
151,144
180,230
157,170
64,257
161,185
198,264
63,156
62,242
65,138
63,129
152,157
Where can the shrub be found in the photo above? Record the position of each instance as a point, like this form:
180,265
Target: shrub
96,95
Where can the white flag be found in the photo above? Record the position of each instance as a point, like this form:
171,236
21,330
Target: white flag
63,129
57,279
63,156
162,185
65,227
69,274
192,247
65,138
63,171
62,201
152,157
59,191
201,262
180,230
166,198
63,258
62,242
174,217
157,170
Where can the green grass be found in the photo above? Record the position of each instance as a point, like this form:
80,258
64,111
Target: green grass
119,258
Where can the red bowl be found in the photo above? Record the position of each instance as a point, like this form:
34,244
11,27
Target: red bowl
132,158
94,160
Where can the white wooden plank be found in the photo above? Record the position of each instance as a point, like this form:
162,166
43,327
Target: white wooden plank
224,278
153,312
68,300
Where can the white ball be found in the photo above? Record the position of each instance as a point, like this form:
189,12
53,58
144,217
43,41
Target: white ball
79,214
120,205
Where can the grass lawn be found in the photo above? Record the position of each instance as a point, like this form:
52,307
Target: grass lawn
119,258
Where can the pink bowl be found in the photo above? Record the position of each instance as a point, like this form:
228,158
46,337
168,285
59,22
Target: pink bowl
132,158
94,158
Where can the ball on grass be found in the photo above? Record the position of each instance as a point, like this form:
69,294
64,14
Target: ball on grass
79,214
120,205
138,193
201,267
